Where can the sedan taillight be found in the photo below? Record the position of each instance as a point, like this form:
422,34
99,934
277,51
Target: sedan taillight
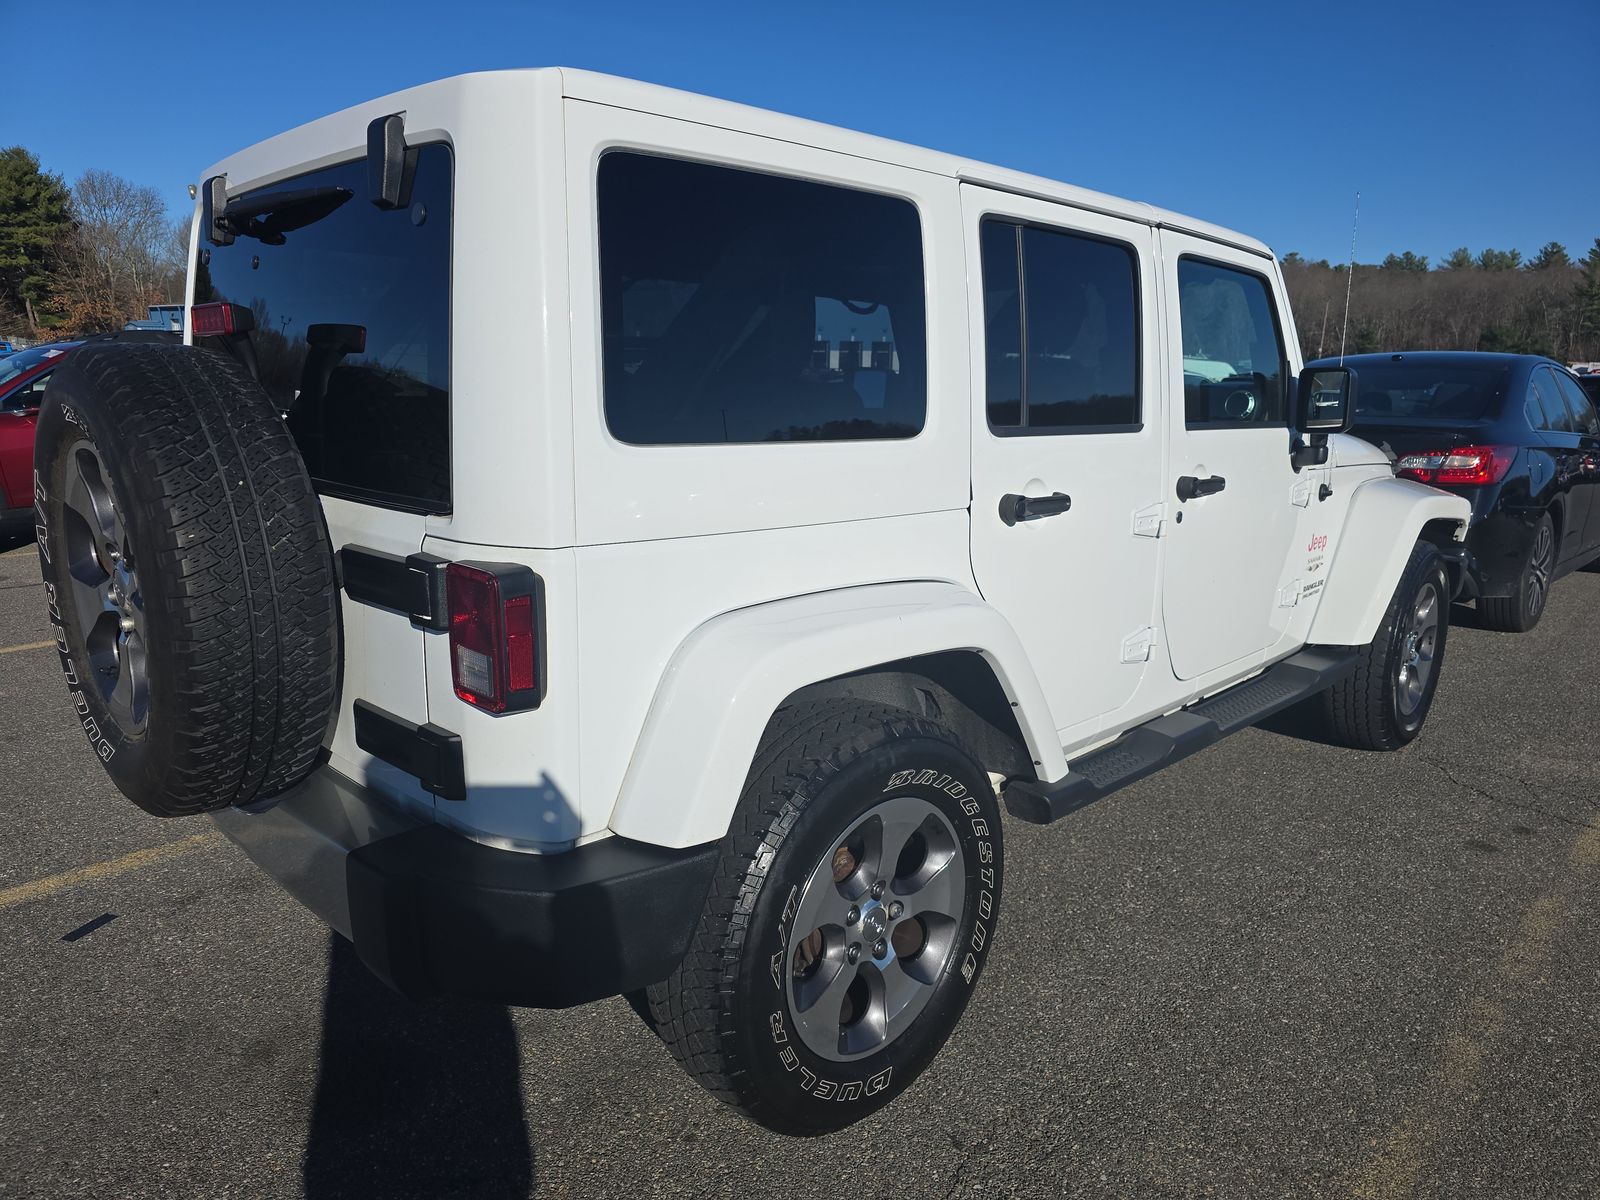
1463,466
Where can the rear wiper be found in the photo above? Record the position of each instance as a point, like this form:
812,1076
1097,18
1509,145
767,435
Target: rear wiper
266,218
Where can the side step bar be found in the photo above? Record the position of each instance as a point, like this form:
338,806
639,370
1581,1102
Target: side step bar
1148,748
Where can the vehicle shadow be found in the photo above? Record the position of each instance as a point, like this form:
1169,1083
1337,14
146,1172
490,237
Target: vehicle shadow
413,1099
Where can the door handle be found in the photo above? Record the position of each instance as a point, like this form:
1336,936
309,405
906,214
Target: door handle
1191,487
1014,508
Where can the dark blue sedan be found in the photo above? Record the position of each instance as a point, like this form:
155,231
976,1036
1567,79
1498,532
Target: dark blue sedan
1513,433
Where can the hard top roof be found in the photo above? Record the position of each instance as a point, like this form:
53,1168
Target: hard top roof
687,106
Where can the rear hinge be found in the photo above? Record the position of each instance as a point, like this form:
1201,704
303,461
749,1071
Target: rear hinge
1289,595
1137,645
1300,494
1149,522
413,585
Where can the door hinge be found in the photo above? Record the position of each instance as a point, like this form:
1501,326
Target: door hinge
1300,494
1289,595
1137,645
1148,522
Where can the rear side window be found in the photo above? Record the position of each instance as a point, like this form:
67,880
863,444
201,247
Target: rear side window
1234,367
352,325
1584,419
1061,321
741,307
1557,418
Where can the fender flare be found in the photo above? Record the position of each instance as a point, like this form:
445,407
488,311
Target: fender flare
730,674
1385,518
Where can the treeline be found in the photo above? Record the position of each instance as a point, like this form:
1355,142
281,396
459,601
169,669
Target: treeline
82,259
1489,301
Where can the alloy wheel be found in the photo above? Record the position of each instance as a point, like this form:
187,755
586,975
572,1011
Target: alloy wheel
880,913
105,589
1418,650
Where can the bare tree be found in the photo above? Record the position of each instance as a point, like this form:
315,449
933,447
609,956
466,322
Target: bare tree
122,254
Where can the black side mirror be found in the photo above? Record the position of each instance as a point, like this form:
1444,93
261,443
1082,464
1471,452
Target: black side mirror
1327,401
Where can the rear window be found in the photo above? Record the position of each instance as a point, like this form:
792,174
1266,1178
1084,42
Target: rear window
352,326
1401,392
741,307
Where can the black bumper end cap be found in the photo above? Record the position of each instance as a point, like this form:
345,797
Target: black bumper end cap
434,913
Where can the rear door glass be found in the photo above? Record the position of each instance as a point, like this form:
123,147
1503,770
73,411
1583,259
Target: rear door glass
1583,414
1061,317
1557,417
351,307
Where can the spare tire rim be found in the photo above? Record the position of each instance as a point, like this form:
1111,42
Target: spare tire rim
105,590
1418,652
875,928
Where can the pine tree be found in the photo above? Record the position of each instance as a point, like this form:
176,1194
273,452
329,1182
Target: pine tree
1554,254
35,214
1499,260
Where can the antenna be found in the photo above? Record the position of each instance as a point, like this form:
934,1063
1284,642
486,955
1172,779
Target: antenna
1349,278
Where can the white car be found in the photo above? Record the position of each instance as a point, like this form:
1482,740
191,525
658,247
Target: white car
602,538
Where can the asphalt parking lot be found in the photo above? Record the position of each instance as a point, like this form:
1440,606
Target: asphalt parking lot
1280,969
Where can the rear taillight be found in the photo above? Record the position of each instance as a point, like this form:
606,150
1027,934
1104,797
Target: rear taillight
219,320
1465,465
495,612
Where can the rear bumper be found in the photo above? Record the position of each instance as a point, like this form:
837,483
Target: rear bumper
433,913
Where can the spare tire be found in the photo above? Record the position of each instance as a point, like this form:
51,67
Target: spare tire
189,575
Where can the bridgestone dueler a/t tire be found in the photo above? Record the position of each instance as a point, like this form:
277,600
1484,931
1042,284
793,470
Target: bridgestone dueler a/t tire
231,574
1363,710
725,1012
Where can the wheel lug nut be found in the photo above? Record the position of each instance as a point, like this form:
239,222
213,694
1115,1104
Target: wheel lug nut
854,952
895,910
877,890
880,948
854,915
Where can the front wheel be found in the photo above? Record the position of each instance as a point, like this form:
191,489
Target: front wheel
1382,705
848,921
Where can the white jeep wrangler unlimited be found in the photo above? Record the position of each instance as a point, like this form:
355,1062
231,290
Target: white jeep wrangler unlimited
602,539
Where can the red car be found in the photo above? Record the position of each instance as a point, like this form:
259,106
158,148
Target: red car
22,380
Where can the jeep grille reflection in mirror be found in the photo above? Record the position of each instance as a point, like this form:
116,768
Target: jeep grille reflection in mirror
1327,400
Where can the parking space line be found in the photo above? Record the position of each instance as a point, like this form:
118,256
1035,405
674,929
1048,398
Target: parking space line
95,872
25,646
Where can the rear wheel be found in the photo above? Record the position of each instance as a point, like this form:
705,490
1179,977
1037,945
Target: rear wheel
1520,611
848,921
1383,704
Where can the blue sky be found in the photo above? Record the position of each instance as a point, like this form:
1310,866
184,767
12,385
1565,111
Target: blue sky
1460,123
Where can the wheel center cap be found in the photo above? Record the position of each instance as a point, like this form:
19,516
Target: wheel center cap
1412,656
874,922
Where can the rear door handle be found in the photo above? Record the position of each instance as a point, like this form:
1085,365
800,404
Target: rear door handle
1191,487
1014,508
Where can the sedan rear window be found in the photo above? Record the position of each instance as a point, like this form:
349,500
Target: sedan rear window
1409,391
